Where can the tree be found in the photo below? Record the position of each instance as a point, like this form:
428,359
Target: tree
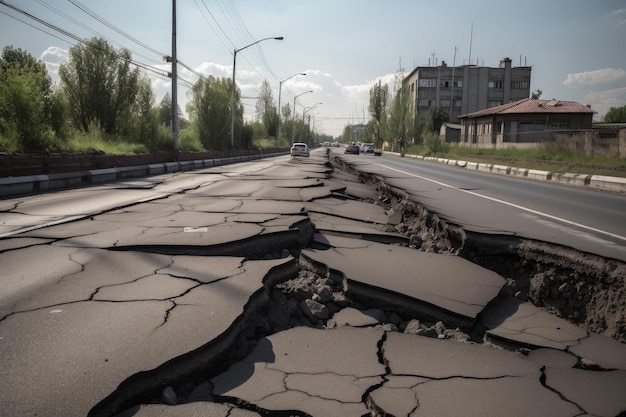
379,98
401,115
536,94
209,111
615,115
100,85
436,118
165,110
266,109
25,100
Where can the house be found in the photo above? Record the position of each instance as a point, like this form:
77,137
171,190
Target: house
451,132
467,88
523,121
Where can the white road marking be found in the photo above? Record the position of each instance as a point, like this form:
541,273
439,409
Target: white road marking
517,206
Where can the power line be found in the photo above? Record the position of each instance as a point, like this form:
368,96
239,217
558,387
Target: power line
158,73
105,22
89,29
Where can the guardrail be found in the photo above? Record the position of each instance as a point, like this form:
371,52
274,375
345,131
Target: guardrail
47,182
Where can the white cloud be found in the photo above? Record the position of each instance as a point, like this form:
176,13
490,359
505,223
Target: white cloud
602,101
601,76
53,57
609,97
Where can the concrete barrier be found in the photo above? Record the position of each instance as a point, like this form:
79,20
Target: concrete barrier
102,175
536,174
501,169
578,180
172,166
156,169
519,172
132,172
66,179
484,167
21,185
603,182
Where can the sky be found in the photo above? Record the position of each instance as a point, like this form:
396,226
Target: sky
575,47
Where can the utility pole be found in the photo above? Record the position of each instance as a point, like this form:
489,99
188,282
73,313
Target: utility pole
174,80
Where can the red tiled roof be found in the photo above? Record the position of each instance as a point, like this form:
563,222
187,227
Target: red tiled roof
531,105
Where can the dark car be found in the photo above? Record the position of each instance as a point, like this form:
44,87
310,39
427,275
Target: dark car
367,148
353,149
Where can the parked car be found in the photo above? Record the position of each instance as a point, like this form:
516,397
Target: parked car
299,149
353,149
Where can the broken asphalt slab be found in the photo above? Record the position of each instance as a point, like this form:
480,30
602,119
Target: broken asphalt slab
150,302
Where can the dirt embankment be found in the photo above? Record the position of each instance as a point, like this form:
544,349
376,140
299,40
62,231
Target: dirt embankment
585,289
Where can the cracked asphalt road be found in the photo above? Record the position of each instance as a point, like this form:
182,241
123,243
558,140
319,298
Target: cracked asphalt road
100,313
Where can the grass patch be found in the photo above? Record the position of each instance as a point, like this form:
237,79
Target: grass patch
547,158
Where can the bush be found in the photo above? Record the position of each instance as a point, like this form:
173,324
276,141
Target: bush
434,143
189,140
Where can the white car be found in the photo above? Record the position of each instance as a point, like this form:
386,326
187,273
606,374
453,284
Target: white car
299,149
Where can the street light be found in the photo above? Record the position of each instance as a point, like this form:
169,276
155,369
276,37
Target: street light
304,110
280,86
232,107
309,108
293,118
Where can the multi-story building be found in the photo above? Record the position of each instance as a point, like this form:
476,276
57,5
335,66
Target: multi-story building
467,88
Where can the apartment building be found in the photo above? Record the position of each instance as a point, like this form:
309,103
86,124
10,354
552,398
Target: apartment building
467,88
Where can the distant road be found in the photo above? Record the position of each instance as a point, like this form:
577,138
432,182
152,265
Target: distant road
589,220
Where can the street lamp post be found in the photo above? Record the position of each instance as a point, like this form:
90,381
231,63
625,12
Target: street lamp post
293,118
232,107
304,113
280,86
309,108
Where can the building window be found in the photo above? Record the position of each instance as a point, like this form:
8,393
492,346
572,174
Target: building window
494,103
458,103
424,103
521,85
428,83
459,83
444,103
496,84
444,84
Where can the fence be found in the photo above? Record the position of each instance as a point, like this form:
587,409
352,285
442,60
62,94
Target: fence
604,142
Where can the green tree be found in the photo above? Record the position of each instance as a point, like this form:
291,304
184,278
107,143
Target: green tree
100,85
378,105
536,94
209,112
437,116
266,109
401,115
165,110
615,115
25,100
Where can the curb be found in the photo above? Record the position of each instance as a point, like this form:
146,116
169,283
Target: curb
29,183
598,182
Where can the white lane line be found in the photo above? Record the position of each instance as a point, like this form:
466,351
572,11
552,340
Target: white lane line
529,210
